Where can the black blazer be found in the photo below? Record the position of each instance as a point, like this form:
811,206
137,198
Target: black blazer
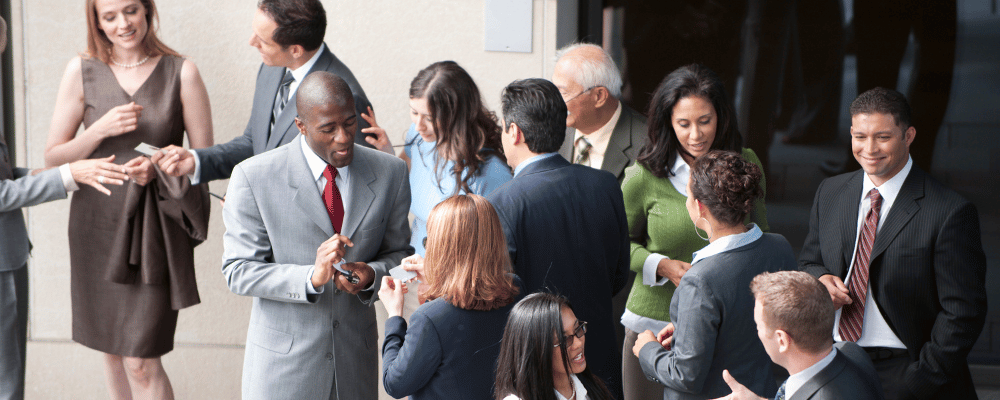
927,272
567,233
849,376
217,162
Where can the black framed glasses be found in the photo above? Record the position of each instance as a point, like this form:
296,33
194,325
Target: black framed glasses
579,332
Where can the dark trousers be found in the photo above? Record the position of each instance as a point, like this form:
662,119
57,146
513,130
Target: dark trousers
13,332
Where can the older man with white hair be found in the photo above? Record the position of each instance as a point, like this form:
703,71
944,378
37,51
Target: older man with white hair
608,133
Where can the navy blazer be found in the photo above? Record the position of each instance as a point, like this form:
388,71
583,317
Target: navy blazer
927,272
850,375
217,162
447,353
567,233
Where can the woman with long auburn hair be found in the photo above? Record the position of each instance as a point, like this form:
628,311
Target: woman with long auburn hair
131,253
452,341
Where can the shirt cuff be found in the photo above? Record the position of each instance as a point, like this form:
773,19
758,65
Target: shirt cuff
649,270
309,284
195,176
371,287
67,178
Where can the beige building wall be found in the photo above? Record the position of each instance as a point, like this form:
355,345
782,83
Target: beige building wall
384,42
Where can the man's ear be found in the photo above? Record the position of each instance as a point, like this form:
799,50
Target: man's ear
784,340
299,124
297,50
518,134
602,96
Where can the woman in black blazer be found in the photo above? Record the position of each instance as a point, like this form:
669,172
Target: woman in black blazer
454,340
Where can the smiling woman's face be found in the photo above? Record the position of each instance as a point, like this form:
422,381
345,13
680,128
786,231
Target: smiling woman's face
694,121
122,21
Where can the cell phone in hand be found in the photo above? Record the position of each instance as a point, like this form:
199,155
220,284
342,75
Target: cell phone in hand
350,275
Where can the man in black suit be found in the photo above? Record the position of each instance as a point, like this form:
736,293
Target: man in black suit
565,224
911,253
794,317
289,36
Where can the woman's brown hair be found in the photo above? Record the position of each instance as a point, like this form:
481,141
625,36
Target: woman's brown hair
727,184
98,45
466,261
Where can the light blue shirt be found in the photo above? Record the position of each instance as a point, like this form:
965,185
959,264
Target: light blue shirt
429,187
532,160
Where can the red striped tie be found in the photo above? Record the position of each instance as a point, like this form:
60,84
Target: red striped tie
331,198
852,315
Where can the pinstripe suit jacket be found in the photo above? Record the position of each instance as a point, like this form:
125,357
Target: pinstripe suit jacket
927,272
302,346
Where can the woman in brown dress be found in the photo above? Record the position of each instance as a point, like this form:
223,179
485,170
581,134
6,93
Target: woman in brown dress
131,254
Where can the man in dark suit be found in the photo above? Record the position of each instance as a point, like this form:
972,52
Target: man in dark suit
911,253
289,36
565,224
794,317
609,134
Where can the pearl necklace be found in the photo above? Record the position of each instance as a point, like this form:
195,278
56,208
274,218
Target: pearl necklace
132,65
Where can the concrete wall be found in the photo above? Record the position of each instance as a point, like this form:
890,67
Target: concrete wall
385,43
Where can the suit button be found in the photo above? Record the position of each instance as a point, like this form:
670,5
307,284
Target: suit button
336,324
336,291
329,356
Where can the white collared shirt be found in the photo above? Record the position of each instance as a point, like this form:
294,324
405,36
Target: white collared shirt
299,74
796,380
729,242
599,140
875,332
581,392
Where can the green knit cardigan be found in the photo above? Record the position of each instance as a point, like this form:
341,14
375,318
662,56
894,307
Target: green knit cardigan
658,222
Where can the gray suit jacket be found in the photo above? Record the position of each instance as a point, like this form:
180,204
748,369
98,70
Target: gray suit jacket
302,346
712,310
23,190
628,137
217,162
850,375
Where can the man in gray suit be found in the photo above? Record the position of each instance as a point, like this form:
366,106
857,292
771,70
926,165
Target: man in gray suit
794,316
609,134
21,187
289,35
292,215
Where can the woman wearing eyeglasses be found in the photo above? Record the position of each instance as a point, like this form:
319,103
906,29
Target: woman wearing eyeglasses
712,308
450,346
541,355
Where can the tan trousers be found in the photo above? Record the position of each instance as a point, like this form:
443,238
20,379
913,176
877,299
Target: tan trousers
634,382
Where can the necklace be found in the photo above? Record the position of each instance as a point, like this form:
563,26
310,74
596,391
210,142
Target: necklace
132,65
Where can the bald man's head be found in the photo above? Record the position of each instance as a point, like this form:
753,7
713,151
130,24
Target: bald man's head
327,119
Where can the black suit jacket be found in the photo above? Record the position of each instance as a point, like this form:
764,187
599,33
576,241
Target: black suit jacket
927,272
567,233
217,162
844,378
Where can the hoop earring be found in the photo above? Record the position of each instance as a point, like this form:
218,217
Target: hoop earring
708,232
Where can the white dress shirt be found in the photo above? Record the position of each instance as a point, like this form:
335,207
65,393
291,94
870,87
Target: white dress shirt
598,140
875,332
299,74
797,380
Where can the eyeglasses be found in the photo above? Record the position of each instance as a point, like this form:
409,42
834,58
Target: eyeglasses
579,332
565,100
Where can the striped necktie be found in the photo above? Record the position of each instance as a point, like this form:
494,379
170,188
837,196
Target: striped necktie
281,99
582,151
852,315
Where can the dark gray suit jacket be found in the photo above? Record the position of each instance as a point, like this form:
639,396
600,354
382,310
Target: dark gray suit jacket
927,272
850,375
217,162
628,137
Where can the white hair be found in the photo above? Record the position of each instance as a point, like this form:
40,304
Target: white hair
591,73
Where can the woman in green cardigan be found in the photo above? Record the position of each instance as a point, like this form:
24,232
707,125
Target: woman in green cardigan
689,115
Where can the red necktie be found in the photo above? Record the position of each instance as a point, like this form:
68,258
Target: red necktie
332,199
852,315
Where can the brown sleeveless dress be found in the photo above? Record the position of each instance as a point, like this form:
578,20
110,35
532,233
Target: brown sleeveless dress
134,320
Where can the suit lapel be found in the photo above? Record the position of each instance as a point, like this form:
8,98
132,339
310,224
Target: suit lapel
821,378
362,195
269,84
615,158
307,196
903,209
287,117
847,210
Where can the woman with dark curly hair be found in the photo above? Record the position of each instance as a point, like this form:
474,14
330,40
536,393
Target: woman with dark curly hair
712,309
541,354
689,115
